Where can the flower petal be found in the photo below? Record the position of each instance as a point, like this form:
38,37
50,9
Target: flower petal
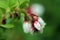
37,25
26,27
41,22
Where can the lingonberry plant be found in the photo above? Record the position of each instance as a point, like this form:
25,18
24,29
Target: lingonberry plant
14,11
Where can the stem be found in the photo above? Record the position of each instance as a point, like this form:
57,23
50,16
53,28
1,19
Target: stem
27,14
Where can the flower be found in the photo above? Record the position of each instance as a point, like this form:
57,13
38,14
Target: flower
37,9
36,24
26,26
39,25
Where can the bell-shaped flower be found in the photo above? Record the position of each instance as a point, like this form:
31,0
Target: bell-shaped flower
37,25
41,21
40,24
26,26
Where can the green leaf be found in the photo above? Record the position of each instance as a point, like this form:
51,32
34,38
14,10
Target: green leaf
2,11
22,1
9,21
3,4
0,15
24,5
8,26
12,3
8,3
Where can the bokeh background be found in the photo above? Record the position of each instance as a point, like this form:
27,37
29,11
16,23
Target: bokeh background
51,31
52,18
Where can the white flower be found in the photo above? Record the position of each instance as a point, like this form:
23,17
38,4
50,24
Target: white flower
26,26
41,21
39,25
38,9
30,27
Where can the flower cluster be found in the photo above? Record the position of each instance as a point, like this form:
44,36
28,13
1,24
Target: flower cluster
35,25
32,23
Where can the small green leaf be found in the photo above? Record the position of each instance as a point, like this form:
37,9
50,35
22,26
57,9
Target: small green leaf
24,5
12,3
22,1
8,26
3,4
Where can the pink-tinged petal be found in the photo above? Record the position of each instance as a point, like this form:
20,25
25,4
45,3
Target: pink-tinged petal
30,13
26,27
35,18
37,25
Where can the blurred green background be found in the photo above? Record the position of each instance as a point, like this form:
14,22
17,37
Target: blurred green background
52,18
51,31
